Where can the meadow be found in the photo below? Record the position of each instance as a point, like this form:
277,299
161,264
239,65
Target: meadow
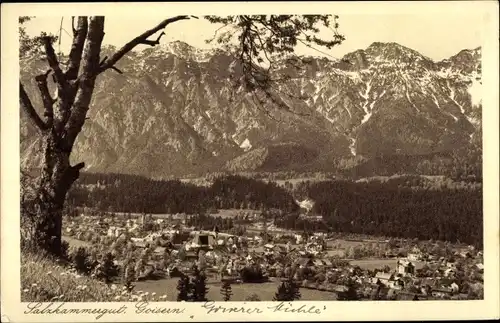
265,291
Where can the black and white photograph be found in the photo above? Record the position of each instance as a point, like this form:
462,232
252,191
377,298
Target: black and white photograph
251,157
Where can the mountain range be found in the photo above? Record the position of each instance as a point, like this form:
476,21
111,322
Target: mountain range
175,111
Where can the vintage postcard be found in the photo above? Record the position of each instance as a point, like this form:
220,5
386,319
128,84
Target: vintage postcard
249,161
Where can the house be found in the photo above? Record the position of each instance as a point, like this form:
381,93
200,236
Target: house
383,278
466,254
441,292
190,254
223,235
111,231
203,240
305,262
340,288
451,265
396,284
119,231
268,248
159,250
298,239
416,250
405,267
449,272
415,255
327,263
313,247
318,263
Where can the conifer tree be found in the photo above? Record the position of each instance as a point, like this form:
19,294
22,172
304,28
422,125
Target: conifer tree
294,290
107,270
183,288
281,293
226,291
129,277
81,261
288,291
351,294
199,286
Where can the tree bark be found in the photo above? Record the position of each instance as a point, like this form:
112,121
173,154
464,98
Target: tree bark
56,178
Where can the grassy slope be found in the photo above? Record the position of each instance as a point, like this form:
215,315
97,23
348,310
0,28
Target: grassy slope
44,279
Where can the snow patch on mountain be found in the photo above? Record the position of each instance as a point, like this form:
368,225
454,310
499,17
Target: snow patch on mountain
452,97
475,90
366,96
411,102
352,146
436,101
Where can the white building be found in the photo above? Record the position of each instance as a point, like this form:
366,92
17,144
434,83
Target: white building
306,204
405,267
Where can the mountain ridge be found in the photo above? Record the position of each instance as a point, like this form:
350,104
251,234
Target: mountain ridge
175,111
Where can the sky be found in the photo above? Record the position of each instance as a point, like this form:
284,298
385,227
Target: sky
436,36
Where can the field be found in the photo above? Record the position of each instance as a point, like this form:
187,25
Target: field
265,291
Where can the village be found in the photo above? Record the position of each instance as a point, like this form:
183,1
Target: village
163,247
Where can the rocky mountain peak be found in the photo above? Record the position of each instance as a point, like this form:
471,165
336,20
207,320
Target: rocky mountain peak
175,111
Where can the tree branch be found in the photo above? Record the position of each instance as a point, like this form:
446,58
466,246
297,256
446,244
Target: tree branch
86,83
59,77
75,55
153,42
28,106
48,101
141,39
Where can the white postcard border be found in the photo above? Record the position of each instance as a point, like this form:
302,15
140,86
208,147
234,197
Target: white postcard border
13,311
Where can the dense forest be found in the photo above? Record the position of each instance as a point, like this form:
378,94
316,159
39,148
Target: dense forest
464,164
391,209
136,194
400,206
